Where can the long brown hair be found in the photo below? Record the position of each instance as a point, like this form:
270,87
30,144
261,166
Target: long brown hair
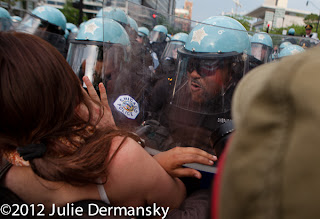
39,93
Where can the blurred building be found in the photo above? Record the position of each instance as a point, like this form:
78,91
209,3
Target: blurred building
19,8
277,15
184,15
91,7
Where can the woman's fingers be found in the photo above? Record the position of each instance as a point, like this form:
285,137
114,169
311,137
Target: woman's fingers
92,92
103,96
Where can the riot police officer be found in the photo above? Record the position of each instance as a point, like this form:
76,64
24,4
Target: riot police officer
261,49
170,54
158,39
143,35
292,40
211,63
104,56
164,86
48,23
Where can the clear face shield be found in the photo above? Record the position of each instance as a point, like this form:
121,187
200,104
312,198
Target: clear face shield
171,50
49,32
157,37
101,63
261,52
201,99
86,60
203,84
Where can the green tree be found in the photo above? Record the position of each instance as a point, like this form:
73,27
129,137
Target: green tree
163,20
71,13
244,20
311,19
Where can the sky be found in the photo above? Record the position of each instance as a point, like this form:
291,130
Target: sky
203,9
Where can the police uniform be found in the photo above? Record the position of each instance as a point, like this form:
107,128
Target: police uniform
313,36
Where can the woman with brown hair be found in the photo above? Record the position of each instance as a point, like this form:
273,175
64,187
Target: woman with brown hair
62,143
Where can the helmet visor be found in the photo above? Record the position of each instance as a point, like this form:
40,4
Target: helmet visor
205,85
36,26
171,50
86,60
156,36
261,52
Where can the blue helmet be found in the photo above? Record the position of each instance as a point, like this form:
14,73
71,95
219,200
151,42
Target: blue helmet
72,31
177,41
161,28
222,35
98,41
83,23
16,19
290,50
103,30
48,23
51,15
143,31
284,45
262,47
291,31
262,38
158,34
5,20
115,14
133,24
72,28
182,37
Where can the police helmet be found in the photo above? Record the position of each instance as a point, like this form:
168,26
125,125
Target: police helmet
115,14
5,20
262,47
101,46
291,31
177,41
143,32
291,50
158,34
48,23
283,45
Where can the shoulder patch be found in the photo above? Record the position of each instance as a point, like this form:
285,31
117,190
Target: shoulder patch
127,106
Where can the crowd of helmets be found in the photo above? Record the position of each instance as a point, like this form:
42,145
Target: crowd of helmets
50,24
152,67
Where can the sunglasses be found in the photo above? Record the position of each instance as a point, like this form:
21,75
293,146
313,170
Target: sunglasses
203,67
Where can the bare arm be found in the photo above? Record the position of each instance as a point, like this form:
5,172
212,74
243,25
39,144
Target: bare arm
137,179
